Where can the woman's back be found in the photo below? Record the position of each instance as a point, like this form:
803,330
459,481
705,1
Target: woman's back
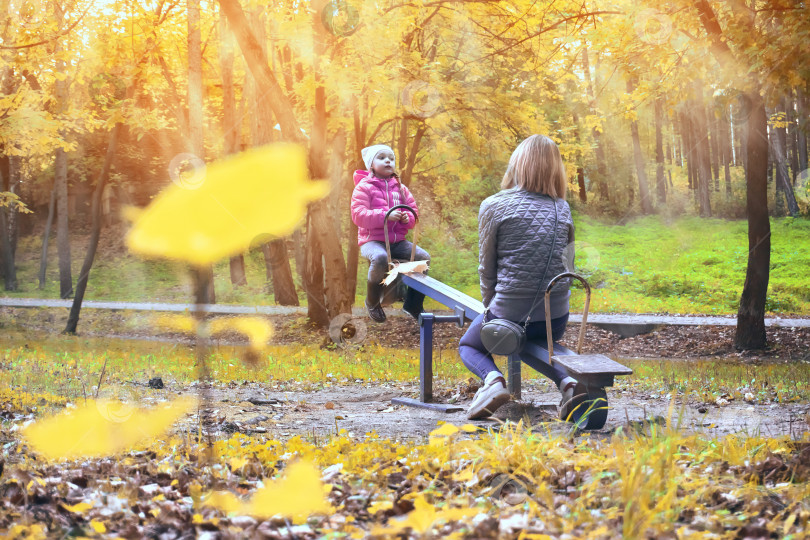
522,239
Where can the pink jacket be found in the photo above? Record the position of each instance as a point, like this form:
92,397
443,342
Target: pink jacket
371,199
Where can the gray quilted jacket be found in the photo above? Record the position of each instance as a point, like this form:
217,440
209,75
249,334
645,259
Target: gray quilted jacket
514,238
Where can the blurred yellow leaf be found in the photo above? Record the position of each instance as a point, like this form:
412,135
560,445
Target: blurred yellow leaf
98,526
101,428
257,329
178,323
300,492
259,192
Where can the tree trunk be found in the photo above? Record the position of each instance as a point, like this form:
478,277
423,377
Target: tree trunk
326,268
195,105
803,129
643,191
750,332
257,63
600,178
793,143
660,180
84,275
583,195
780,161
724,128
312,276
713,148
733,143
7,255
276,259
43,260
277,262
230,127
699,134
60,167
688,152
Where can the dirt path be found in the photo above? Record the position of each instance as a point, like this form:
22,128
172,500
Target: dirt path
362,408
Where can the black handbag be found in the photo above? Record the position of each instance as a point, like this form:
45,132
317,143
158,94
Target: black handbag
505,337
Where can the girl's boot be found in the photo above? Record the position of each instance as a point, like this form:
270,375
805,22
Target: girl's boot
373,296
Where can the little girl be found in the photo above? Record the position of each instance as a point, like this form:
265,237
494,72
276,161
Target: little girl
376,191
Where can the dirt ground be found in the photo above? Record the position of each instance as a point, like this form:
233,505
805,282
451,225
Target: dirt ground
361,408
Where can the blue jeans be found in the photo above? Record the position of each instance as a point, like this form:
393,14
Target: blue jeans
478,360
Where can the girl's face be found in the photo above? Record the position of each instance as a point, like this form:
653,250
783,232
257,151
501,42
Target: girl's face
383,164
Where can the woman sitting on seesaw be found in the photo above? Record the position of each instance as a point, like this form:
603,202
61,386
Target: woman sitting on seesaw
523,230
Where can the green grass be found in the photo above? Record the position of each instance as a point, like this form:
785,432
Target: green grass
70,367
649,265
691,265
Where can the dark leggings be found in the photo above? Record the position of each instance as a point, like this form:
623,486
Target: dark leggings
478,360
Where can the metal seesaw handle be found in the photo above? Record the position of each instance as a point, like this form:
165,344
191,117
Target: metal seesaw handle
551,284
415,231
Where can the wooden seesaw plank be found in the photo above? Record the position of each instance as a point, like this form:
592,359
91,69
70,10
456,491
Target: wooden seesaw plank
591,369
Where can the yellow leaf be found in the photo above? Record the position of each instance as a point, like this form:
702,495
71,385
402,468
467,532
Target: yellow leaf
469,428
379,505
423,517
300,492
445,430
464,476
238,463
98,526
101,428
259,192
79,508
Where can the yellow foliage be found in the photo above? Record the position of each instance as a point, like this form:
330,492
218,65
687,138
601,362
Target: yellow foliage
424,516
299,493
263,191
101,428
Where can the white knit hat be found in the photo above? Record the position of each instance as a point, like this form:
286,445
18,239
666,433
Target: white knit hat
370,152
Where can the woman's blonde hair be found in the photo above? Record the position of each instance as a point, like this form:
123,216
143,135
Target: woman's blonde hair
536,165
